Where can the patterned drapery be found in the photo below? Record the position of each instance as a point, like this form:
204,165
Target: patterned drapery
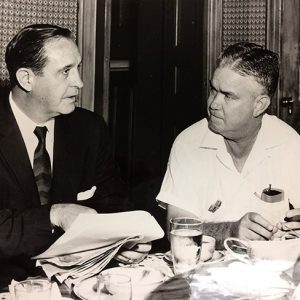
244,20
15,14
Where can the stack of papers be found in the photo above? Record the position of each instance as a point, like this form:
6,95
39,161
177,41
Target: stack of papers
93,240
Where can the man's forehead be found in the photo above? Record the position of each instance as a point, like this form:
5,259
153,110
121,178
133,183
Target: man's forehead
229,80
62,50
227,75
224,76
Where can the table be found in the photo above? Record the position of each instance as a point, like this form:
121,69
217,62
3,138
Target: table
182,287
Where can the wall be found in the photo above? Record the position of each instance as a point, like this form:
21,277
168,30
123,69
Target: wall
16,14
76,15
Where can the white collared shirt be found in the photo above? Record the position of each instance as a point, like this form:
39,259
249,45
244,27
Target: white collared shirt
27,126
200,172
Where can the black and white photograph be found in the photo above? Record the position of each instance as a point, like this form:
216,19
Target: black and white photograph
149,149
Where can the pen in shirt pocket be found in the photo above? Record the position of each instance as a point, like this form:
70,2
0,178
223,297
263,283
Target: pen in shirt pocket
294,218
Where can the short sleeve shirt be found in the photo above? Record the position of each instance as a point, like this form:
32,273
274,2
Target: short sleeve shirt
201,173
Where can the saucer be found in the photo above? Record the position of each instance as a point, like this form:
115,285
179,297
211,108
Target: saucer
87,289
217,257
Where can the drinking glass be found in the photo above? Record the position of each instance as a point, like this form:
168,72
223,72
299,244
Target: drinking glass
186,242
35,289
114,287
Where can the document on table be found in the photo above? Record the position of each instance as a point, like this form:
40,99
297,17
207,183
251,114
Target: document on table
93,240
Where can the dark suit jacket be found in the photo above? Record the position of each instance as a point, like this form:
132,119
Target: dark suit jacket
81,159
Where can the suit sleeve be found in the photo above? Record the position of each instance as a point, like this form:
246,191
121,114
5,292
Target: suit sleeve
24,233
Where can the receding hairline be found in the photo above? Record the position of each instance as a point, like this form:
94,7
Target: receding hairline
262,91
234,65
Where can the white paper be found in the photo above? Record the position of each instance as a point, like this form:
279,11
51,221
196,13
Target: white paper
92,231
93,240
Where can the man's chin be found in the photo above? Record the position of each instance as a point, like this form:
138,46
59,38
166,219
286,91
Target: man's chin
213,127
68,109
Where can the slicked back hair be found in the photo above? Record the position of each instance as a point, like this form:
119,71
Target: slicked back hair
249,59
27,48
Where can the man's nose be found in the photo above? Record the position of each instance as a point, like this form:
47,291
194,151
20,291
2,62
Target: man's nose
216,101
76,80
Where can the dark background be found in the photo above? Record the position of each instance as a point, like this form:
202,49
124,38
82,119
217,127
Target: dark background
156,91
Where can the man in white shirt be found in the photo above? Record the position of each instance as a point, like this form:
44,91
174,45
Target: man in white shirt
219,166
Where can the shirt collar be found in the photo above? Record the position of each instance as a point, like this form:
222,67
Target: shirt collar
25,124
211,140
265,139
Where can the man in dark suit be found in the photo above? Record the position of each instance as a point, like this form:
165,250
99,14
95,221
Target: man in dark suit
43,191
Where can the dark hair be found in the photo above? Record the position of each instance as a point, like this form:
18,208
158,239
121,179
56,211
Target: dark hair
26,49
249,59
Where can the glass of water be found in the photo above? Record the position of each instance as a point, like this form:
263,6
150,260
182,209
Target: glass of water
186,242
35,289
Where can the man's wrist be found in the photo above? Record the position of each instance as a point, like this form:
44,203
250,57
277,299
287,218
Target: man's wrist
234,229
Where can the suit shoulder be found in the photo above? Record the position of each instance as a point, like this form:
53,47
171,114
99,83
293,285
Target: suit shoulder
89,117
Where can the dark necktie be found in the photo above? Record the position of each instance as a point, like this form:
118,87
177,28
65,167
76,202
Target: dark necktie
42,166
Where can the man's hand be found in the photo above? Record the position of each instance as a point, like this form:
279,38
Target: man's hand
133,255
253,226
293,219
291,224
64,214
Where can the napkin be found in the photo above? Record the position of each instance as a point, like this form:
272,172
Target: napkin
157,262
55,292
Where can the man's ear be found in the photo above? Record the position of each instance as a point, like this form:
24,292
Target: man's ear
261,103
25,78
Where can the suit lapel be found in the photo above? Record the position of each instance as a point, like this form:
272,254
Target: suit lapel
13,152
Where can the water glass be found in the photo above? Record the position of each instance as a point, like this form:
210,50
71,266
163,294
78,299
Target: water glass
35,289
114,287
186,242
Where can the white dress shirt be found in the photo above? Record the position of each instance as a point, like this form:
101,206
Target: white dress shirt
27,126
201,173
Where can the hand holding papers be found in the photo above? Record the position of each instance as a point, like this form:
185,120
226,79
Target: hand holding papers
93,240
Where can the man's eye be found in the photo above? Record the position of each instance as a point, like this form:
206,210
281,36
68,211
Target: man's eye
66,71
227,96
212,90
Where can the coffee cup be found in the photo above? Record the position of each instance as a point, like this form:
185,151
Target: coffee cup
208,247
